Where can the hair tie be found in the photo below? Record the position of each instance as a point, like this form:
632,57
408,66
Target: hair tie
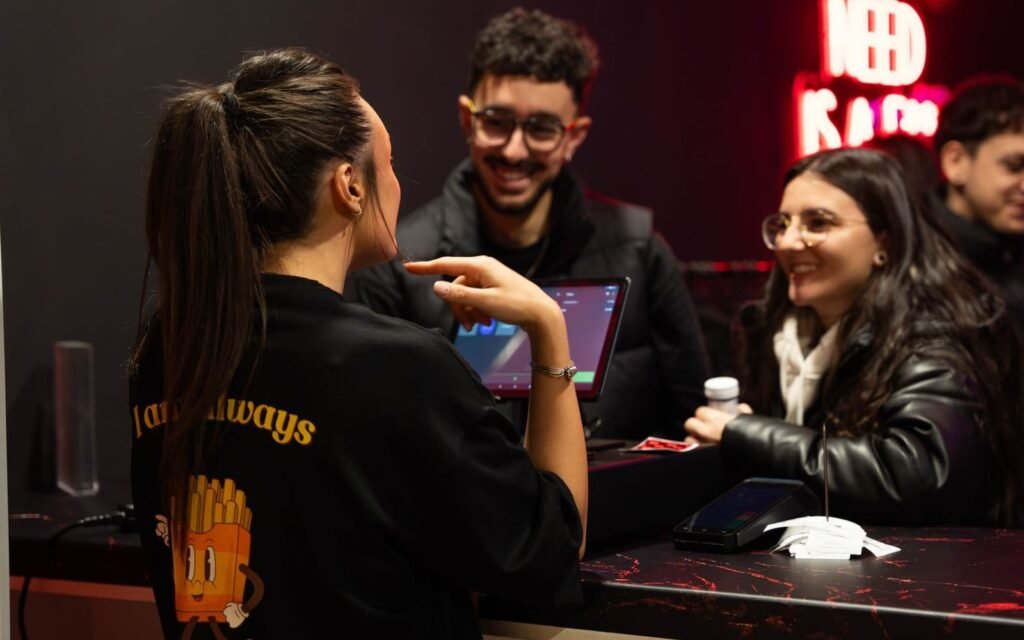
230,102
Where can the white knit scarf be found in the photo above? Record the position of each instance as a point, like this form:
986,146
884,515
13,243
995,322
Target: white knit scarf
799,374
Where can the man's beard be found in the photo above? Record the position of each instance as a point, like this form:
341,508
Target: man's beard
511,210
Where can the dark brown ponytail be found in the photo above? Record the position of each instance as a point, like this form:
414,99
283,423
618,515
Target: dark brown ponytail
207,270
234,170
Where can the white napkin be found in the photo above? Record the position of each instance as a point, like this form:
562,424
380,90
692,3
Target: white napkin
827,538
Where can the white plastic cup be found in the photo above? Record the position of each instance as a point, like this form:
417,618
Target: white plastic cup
723,393
74,408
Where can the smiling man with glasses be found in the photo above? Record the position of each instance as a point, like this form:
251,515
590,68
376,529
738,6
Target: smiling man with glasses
514,198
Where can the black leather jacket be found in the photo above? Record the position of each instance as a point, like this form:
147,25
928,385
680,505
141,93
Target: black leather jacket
656,376
928,462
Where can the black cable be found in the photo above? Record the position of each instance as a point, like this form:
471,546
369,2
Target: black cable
123,517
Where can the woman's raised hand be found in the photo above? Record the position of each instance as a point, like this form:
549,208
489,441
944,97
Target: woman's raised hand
484,288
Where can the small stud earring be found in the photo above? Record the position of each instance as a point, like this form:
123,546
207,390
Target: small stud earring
880,258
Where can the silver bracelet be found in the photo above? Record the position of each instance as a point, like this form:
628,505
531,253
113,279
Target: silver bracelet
555,372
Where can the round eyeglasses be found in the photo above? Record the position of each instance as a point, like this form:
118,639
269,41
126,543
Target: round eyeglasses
493,127
813,226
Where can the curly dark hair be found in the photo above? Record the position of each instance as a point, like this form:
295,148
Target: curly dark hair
925,296
981,107
535,44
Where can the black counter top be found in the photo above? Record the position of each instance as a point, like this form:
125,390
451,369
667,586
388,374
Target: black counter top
943,583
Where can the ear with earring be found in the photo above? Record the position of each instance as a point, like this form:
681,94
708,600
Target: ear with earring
880,258
355,191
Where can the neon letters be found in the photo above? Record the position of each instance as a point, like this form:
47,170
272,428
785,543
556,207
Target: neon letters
868,47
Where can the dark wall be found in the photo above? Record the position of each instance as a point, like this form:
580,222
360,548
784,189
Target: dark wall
692,113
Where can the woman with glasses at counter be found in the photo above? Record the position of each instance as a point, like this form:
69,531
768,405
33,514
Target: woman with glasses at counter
873,328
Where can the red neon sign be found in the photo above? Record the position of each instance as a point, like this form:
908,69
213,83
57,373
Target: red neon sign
874,41
871,42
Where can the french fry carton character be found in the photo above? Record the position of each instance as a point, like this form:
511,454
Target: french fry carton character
209,578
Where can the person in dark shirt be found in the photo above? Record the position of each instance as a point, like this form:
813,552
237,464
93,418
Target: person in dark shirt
980,147
301,466
514,198
874,328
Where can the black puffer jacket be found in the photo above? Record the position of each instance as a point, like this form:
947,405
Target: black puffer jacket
999,256
656,376
928,462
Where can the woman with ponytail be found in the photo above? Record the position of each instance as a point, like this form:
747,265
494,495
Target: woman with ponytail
300,464
873,328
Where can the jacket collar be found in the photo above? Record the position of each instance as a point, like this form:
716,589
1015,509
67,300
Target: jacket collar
922,330
990,251
856,346
462,229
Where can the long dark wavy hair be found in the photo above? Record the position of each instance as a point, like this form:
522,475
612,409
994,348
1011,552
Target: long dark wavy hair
924,296
234,170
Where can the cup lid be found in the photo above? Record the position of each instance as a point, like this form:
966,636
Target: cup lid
722,388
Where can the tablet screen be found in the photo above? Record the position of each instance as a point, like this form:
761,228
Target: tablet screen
500,352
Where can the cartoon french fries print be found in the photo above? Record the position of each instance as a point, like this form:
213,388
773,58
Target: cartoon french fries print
210,576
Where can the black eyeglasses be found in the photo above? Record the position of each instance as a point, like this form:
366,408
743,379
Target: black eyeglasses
494,128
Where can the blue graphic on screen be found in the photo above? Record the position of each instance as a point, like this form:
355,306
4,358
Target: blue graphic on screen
500,352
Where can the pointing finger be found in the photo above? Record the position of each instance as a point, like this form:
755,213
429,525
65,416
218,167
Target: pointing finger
451,266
